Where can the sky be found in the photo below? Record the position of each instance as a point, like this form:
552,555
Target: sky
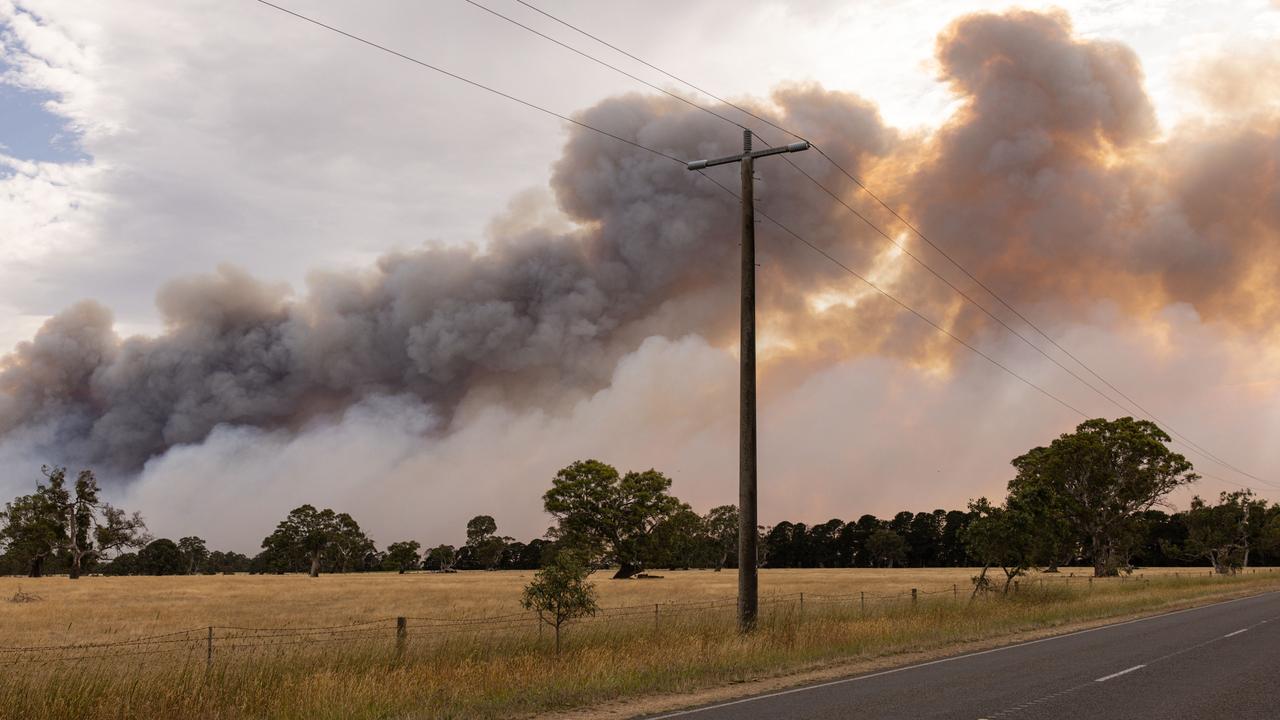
141,144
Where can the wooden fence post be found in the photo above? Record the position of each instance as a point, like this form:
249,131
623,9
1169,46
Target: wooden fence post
402,633
955,591
208,655
913,596
862,595
655,616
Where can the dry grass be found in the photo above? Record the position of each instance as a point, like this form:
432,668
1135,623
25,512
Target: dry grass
507,672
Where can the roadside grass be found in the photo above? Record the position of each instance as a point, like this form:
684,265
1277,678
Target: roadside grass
512,671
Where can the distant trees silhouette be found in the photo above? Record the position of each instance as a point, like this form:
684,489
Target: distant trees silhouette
1090,497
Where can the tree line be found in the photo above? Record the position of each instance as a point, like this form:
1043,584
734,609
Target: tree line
1090,497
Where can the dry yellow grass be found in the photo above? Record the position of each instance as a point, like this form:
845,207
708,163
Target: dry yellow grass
108,608
507,672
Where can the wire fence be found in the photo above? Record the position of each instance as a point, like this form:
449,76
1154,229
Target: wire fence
214,642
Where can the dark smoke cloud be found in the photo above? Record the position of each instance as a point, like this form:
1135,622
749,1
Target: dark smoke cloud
1051,183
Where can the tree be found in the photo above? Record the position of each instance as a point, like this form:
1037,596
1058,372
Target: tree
303,535
721,525
1221,533
1100,478
1055,541
30,529
480,528
606,515
161,557
924,537
347,543
122,564
484,547
1002,537
403,556
678,541
227,562
823,545
560,591
194,553
952,551
442,557
72,520
886,548
857,538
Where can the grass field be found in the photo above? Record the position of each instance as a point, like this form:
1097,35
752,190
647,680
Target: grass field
504,668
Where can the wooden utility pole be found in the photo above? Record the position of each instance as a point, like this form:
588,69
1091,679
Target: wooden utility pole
748,585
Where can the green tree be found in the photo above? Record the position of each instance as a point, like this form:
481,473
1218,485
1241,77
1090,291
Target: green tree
1221,533
442,558
403,556
1002,537
480,528
304,535
678,541
561,592
484,546
1100,478
31,529
886,548
1055,541
952,551
721,525
348,544
161,557
122,564
924,537
194,553
226,562
608,515
72,520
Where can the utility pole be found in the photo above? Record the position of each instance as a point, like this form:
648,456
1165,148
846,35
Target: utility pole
748,585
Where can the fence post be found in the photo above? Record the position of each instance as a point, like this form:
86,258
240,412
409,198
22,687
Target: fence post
208,654
913,596
655,616
955,591
1091,582
402,632
862,595
801,605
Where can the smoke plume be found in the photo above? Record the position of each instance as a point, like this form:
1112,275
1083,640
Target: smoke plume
1052,183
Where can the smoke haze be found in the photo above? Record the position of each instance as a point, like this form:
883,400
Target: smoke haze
448,381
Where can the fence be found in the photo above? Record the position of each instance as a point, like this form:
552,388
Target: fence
211,643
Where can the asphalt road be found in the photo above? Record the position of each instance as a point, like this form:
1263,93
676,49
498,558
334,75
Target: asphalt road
1212,662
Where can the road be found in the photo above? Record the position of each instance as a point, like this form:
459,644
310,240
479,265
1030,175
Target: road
1211,662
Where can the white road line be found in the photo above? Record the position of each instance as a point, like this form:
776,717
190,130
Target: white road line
1231,634
1118,674
882,673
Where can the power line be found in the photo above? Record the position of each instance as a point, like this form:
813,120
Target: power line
469,81
632,143
598,61
905,306
798,169
651,66
672,158
861,185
